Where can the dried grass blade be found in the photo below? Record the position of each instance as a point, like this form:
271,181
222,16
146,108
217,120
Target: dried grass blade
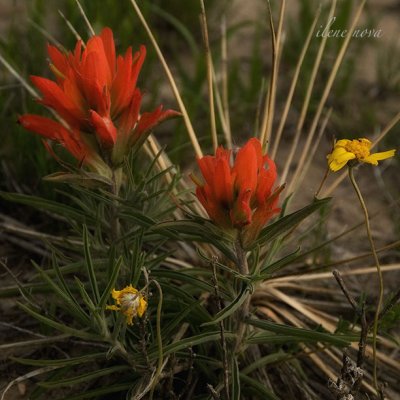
306,102
19,77
72,29
328,275
266,126
313,151
293,85
85,18
324,97
210,69
224,77
221,113
188,123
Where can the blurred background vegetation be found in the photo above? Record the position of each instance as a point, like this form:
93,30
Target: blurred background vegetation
363,97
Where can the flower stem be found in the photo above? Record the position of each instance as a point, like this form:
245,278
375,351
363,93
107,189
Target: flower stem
159,341
322,183
222,332
243,268
115,225
378,268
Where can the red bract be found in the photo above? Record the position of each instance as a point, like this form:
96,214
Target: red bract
95,95
239,196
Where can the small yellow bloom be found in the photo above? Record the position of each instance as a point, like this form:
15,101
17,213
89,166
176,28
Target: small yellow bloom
130,302
357,149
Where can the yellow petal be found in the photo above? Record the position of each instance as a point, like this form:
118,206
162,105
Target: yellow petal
374,158
142,307
342,143
344,156
129,319
337,151
129,289
114,308
335,166
115,294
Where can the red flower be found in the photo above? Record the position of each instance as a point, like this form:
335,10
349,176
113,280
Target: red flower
95,94
239,196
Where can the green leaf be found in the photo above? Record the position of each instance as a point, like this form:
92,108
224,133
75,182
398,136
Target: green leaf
271,338
64,362
138,217
58,326
277,265
266,360
86,298
219,265
99,392
178,317
89,266
84,377
197,230
199,314
306,334
69,301
288,222
111,283
87,179
186,278
65,287
258,388
229,310
46,205
192,341
235,376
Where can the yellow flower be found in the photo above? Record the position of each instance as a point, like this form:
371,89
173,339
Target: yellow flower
130,302
358,150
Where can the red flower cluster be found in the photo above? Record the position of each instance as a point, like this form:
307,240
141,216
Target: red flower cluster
96,96
239,196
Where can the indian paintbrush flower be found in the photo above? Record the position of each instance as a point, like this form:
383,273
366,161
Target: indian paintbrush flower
129,302
346,150
239,196
96,97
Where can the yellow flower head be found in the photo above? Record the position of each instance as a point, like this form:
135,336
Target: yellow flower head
130,302
358,150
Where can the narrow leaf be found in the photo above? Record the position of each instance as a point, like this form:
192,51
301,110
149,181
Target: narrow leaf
89,266
277,265
229,310
58,326
286,223
111,283
192,341
46,205
84,377
236,394
67,297
300,332
258,387
64,362
266,360
99,392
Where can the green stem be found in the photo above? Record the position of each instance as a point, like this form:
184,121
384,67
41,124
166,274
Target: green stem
222,332
115,225
378,268
243,268
159,341
322,183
